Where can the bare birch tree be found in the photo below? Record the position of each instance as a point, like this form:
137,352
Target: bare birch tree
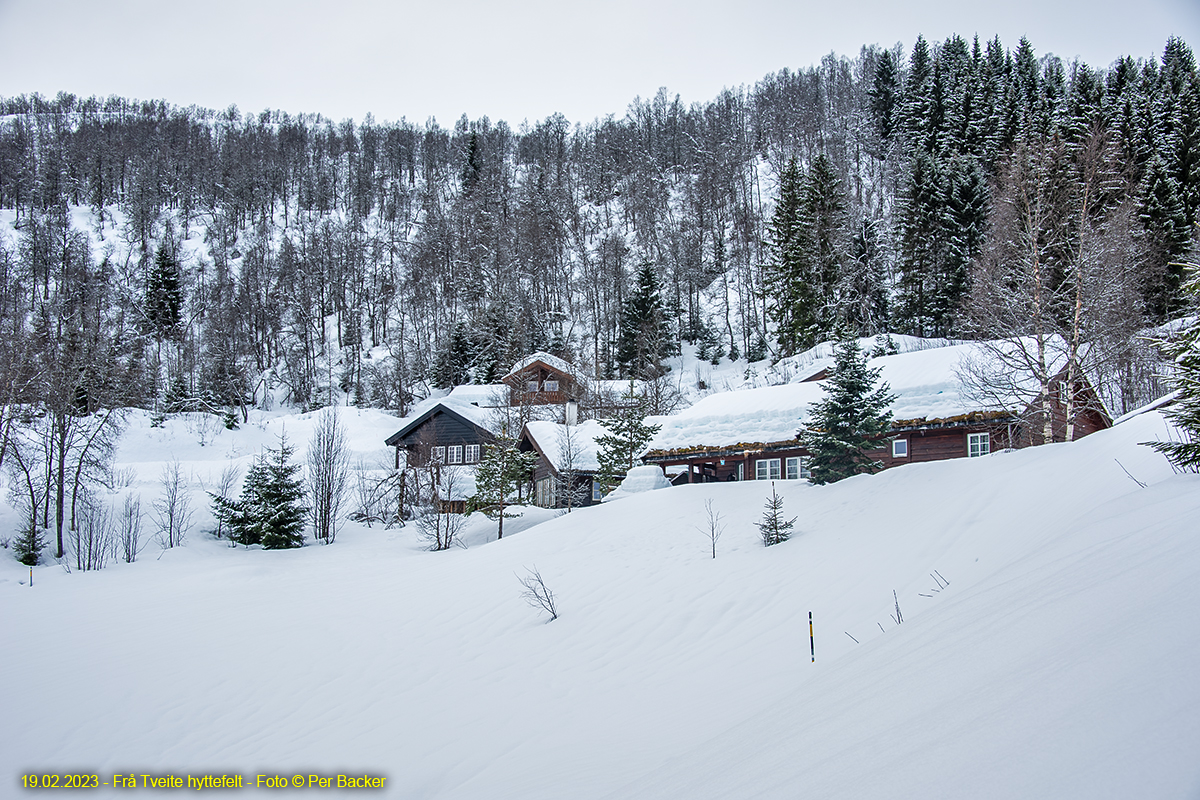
328,474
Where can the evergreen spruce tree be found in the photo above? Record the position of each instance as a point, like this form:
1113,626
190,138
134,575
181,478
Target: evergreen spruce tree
1165,220
773,527
792,297
628,434
824,215
269,511
164,294
851,420
501,471
642,342
27,547
1185,352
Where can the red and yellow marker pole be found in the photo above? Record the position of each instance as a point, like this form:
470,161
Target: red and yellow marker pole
812,649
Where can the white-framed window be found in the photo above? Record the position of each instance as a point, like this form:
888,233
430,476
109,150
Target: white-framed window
766,469
550,386
472,454
531,386
437,455
454,454
900,448
796,468
597,492
978,444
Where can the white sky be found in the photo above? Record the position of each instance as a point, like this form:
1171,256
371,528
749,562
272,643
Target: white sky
518,60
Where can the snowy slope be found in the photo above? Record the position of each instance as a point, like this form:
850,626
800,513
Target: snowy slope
1059,662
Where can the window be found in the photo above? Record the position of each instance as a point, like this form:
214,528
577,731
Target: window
597,492
531,386
766,469
978,444
454,454
472,454
900,448
437,455
550,386
797,468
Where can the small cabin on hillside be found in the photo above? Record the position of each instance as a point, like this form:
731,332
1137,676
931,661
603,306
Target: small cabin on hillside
542,379
565,472
447,432
752,434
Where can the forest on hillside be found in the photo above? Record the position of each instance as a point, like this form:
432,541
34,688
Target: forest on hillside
960,189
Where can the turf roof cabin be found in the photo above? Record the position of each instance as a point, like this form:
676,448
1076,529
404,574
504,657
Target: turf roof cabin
542,379
752,434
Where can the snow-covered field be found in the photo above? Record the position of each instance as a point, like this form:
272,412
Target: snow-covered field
1059,662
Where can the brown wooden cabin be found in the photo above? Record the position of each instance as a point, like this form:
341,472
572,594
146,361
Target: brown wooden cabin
443,435
542,379
548,485
970,435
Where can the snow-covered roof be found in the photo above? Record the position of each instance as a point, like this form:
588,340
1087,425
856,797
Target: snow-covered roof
486,395
472,413
926,384
554,362
617,388
802,366
549,439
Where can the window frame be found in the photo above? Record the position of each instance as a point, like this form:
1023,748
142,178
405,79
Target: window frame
454,454
437,454
901,443
979,444
471,454
772,469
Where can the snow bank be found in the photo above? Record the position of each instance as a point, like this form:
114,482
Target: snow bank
638,480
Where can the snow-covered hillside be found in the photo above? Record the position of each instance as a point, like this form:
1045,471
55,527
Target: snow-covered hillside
1060,660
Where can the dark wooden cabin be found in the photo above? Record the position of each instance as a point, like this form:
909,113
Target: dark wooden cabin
443,434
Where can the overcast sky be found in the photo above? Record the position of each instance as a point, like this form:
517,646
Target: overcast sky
516,61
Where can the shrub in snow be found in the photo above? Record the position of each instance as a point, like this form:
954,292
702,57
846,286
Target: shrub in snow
773,527
538,594
637,480
27,547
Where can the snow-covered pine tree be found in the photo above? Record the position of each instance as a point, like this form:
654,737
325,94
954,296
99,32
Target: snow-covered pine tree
642,343
1185,351
851,420
773,527
792,299
269,511
501,471
27,547
628,434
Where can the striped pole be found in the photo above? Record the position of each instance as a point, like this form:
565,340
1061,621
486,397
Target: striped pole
812,648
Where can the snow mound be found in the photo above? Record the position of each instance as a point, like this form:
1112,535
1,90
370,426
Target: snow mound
638,480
